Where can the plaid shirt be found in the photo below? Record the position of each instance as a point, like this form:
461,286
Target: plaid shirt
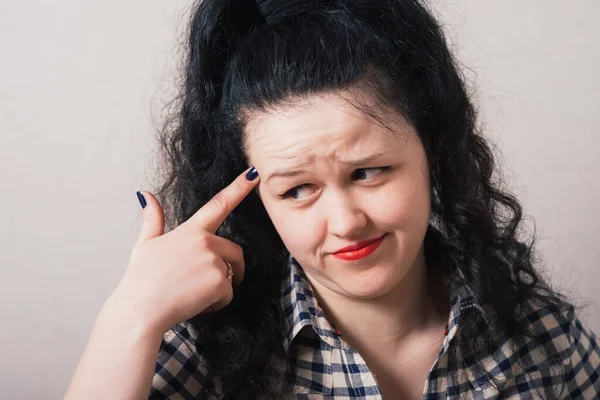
327,367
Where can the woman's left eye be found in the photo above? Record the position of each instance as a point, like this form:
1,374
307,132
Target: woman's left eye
359,174
366,173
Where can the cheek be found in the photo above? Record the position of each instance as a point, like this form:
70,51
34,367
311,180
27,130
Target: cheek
298,231
404,205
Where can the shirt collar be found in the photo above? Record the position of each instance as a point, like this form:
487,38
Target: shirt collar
300,309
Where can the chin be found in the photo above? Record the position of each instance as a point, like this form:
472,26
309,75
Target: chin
369,284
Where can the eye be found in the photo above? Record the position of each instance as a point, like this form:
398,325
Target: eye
293,193
367,173
359,174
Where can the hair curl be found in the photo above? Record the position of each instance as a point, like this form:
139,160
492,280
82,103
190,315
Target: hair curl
395,51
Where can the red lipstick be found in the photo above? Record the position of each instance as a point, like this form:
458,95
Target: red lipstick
358,251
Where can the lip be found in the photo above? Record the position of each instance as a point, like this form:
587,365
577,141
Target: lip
358,245
359,250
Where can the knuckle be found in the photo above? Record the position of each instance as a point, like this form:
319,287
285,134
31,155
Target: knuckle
213,259
239,252
214,278
228,294
201,242
238,186
220,201
226,291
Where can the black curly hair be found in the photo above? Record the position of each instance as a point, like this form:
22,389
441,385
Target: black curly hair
236,62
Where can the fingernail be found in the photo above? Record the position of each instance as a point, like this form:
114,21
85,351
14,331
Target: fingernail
142,199
252,174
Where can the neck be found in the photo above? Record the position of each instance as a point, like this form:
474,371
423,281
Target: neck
413,307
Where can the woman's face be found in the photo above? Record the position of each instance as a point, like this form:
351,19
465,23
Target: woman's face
330,178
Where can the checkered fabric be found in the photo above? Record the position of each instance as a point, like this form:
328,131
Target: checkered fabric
328,368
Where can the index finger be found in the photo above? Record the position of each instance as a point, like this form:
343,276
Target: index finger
210,216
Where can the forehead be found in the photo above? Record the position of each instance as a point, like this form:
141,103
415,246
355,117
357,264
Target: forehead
321,125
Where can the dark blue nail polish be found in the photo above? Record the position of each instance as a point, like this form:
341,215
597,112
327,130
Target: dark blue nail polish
141,198
252,174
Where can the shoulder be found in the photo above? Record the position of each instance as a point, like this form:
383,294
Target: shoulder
583,374
561,351
562,330
180,370
551,328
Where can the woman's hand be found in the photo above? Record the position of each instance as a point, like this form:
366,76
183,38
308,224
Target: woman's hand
172,277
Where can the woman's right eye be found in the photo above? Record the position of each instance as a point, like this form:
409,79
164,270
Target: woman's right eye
293,193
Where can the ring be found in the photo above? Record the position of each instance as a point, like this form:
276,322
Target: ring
229,271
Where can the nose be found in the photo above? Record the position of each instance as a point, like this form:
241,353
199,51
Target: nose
345,215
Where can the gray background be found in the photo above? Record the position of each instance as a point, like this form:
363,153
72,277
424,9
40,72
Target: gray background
82,82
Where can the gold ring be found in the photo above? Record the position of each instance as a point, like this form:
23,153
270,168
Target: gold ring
229,271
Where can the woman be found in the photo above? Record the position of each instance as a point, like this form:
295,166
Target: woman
366,254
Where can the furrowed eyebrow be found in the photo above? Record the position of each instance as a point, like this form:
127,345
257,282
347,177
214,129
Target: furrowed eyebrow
283,174
354,163
361,161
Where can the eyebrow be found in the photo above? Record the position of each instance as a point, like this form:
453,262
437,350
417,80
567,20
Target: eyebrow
355,163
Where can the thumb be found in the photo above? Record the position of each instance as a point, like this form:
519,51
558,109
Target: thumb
153,218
